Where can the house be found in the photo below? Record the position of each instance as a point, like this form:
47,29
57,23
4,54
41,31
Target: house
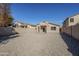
72,20
47,27
31,26
19,24
71,26
24,25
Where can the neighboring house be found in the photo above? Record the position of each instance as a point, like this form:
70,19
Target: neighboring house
31,26
20,24
23,25
70,21
71,26
47,27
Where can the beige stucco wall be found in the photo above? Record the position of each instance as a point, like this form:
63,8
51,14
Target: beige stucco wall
48,28
76,20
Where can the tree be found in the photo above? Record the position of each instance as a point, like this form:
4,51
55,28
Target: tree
10,20
5,15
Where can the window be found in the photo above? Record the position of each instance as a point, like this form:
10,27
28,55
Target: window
53,28
71,19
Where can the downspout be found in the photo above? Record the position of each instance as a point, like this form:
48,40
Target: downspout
71,31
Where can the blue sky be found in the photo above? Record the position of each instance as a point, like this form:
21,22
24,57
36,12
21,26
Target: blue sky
35,13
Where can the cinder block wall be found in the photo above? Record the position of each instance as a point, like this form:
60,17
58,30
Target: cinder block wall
74,31
67,30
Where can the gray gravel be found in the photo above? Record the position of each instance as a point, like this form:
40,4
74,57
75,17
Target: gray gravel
32,43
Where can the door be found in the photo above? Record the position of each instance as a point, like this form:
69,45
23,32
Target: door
43,28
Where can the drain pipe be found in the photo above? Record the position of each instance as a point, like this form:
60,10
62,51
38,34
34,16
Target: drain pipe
71,31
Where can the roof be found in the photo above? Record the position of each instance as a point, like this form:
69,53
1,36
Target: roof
71,16
33,25
21,22
25,23
51,24
54,24
74,15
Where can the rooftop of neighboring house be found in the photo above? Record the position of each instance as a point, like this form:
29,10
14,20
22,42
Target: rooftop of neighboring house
70,17
75,14
54,24
19,22
36,24
24,23
33,25
49,23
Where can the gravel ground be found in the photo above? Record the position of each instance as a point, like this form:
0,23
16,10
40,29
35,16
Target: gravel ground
32,43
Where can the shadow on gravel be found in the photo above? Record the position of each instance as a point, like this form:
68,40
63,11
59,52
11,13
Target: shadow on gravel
7,33
6,39
72,43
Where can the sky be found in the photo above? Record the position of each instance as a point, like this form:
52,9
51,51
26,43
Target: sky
34,13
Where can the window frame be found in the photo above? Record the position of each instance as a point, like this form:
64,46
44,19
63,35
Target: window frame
71,20
53,28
